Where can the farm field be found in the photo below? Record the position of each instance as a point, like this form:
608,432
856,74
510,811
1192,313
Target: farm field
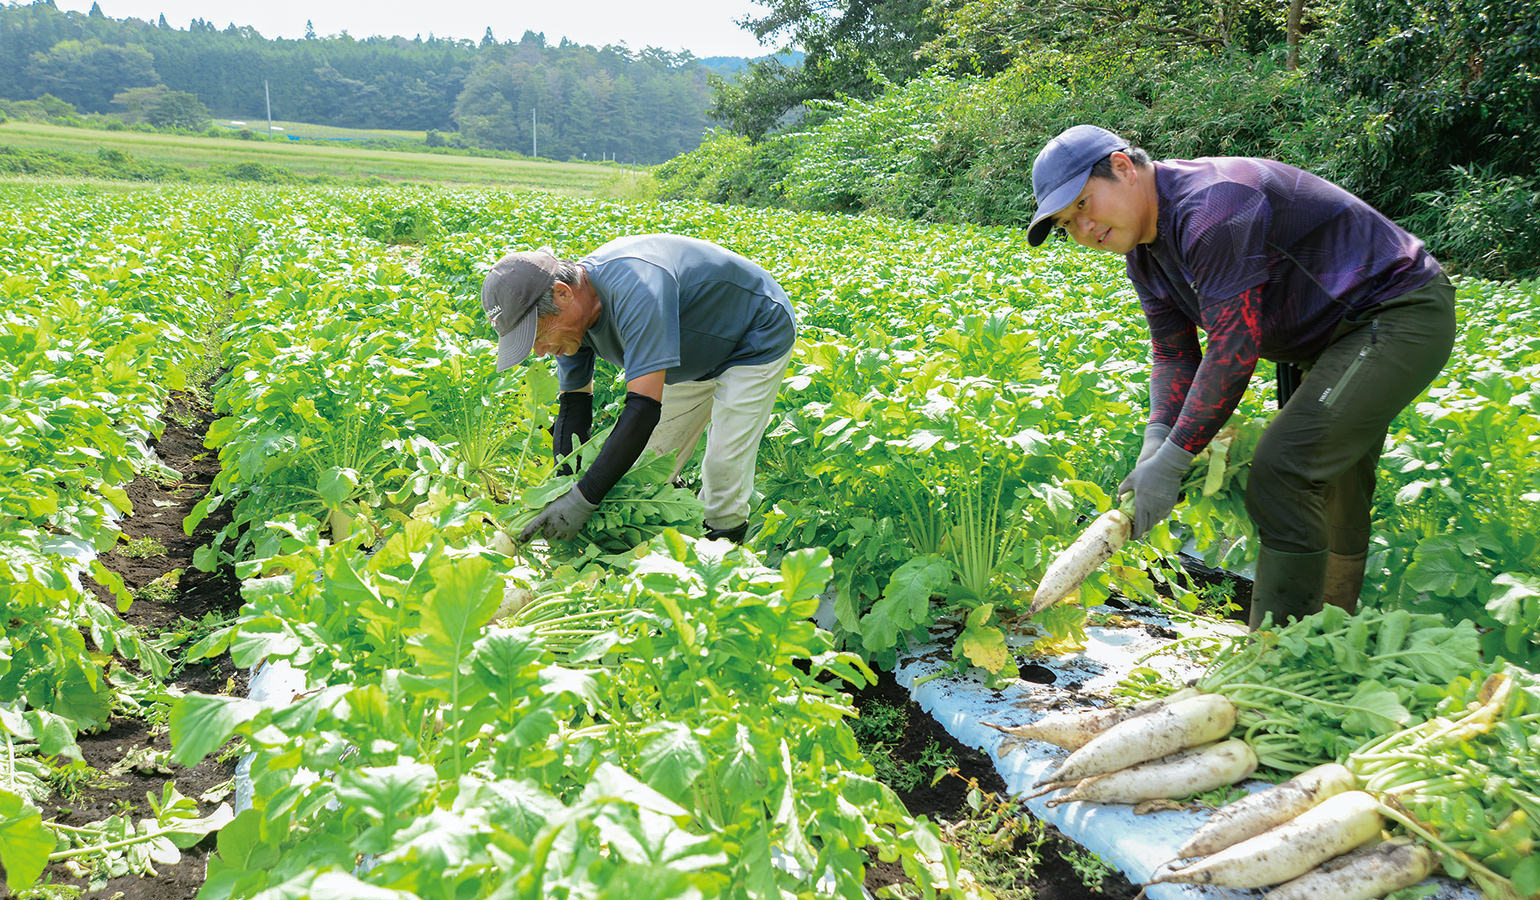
321,132
479,719
310,159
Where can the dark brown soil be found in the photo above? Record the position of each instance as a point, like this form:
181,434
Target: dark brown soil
945,803
158,511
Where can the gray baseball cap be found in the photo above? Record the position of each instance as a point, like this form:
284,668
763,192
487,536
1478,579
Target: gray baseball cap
509,294
1061,170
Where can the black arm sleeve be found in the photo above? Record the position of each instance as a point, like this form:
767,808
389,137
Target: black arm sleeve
574,418
625,443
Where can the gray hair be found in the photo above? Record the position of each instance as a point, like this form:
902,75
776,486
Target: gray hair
568,273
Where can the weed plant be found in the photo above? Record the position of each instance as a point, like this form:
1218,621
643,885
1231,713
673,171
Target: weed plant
141,548
162,589
998,841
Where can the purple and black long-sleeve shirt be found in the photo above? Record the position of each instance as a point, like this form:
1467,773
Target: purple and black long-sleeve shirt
1267,259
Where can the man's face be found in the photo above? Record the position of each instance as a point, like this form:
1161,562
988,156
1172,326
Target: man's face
1109,214
560,334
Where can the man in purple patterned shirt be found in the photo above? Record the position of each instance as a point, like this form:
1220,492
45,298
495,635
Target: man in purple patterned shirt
1270,262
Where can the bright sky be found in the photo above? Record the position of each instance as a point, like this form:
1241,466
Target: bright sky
704,27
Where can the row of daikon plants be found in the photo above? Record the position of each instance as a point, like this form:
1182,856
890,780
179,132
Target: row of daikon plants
105,301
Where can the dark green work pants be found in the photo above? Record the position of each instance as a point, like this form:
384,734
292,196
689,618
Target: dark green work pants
1311,484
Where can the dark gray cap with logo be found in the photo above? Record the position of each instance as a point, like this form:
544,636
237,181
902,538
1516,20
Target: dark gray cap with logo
1061,170
509,294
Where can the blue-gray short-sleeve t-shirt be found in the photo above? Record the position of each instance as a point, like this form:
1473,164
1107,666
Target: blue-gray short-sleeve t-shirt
678,304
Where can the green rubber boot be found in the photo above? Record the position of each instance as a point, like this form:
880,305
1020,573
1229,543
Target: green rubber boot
1344,580
1288,585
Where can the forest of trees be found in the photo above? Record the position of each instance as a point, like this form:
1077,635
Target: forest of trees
935,109
638,106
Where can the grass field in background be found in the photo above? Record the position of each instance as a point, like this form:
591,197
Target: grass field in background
306,158
321,132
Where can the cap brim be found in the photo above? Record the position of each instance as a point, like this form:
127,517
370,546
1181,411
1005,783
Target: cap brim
1055,203
515,346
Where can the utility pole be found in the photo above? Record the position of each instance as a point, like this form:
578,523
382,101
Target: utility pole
268,94
534,139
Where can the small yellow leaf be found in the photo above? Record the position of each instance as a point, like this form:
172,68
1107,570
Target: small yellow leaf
980,615
985,648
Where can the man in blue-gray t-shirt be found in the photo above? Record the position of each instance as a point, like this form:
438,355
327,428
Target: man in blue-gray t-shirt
1270,262
702,335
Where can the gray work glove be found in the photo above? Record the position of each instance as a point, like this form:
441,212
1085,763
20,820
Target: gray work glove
1154,435
1156,483
561,519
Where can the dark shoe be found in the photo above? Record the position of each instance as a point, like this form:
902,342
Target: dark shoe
735,535
1344,580
1288,585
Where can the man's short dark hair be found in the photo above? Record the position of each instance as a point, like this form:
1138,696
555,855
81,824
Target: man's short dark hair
1103,166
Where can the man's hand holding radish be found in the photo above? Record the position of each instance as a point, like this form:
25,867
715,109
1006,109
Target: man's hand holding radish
1156,482
1154,435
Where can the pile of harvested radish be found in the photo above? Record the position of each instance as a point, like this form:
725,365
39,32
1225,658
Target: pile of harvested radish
1409,754
1292,833
1170,749
1295,835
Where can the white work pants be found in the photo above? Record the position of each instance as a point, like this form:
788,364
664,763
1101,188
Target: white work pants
737,405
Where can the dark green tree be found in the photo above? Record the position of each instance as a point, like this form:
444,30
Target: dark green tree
88,73
852,48
179,109
1453,82
594,104
485,110
134,104
755,101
